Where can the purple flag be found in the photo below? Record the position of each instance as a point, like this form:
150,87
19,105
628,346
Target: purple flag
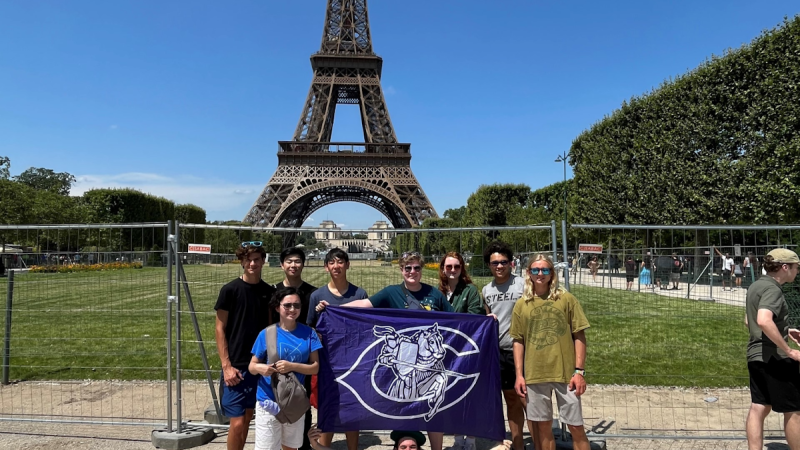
398,369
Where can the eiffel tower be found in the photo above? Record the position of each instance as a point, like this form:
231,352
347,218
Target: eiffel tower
312,171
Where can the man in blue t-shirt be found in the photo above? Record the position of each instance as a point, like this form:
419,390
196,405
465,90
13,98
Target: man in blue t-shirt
338,291
412,293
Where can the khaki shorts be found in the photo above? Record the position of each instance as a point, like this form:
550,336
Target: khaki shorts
539,406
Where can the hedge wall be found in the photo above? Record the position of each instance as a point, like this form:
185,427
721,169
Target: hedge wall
127,206
720,144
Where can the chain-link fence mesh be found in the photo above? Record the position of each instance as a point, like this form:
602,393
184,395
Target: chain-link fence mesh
85,323
88,333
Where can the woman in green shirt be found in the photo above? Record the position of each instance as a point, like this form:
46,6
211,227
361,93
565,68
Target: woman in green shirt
456,285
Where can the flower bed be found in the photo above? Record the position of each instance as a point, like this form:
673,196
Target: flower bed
69,268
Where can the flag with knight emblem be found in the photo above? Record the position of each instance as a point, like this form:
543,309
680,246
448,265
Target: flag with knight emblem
396,369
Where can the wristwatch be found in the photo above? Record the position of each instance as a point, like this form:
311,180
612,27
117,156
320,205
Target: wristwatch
580,372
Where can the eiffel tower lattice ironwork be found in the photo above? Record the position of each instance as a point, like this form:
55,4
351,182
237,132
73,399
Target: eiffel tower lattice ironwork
313,171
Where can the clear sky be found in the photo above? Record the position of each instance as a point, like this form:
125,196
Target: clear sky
187,99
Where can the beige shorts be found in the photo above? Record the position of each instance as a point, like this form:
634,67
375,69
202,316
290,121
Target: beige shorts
270,433
539,406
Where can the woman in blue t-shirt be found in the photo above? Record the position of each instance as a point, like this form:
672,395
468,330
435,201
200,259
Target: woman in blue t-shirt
297,346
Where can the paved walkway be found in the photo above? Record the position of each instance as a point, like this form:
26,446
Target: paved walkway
703,292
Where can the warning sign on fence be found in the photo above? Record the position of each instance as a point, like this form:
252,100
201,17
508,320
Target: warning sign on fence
590,248
200,248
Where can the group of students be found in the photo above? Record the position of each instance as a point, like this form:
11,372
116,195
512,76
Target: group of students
541,335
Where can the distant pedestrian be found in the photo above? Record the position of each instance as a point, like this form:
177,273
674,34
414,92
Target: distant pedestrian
675,271
630,271
645,273
727,268
593,266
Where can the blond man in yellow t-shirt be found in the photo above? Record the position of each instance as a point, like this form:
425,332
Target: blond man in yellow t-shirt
549,354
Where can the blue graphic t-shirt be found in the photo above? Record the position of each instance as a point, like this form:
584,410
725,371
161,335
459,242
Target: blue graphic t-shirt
295,346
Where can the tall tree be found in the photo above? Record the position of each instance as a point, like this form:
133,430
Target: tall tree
456,214
46,180
490,204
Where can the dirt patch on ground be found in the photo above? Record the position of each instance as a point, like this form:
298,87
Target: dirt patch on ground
661,417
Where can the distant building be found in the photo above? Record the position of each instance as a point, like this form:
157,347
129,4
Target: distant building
328,235
379,237
381,231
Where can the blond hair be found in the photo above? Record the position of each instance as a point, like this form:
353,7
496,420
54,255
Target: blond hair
554,291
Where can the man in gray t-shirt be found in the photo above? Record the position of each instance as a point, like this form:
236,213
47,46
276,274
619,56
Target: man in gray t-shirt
500,295
772,364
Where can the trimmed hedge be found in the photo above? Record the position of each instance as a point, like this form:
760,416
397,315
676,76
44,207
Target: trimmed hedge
127,206
720,144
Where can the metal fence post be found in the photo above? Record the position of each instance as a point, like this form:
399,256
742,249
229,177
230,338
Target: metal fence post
170,238
7,335
199,337
564,249
555,244
178,397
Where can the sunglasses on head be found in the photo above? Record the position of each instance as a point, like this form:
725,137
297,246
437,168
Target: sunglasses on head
253,243
408,269
537,271
452,266
414,254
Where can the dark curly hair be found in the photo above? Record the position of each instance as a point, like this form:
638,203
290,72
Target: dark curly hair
497,247
280,294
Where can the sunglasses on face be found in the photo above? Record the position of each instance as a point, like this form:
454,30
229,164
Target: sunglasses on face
499,263
537,271
253,243
409,269
291,306
452,266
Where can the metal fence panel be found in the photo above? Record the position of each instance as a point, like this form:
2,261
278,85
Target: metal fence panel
87,323
668,350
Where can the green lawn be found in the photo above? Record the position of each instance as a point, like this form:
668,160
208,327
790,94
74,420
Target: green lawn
112,325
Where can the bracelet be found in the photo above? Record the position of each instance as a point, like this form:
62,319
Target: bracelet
580,372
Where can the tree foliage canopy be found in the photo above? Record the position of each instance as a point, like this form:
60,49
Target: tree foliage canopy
720,144
489,205
46,180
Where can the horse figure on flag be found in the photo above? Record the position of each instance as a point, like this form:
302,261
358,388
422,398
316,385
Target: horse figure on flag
417,363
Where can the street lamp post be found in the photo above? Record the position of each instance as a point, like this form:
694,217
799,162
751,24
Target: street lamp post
563,159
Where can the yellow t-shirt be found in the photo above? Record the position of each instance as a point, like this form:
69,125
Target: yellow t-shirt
546,327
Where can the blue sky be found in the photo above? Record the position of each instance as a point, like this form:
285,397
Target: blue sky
187,99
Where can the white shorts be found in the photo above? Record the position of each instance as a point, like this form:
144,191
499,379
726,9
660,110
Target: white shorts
539,406
270,433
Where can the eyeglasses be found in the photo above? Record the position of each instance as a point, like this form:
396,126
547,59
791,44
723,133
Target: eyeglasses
253,243
291,306
537,271
452,266
408,269
499,263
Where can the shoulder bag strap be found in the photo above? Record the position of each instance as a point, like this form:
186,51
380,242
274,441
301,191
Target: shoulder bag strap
411,301
272,349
